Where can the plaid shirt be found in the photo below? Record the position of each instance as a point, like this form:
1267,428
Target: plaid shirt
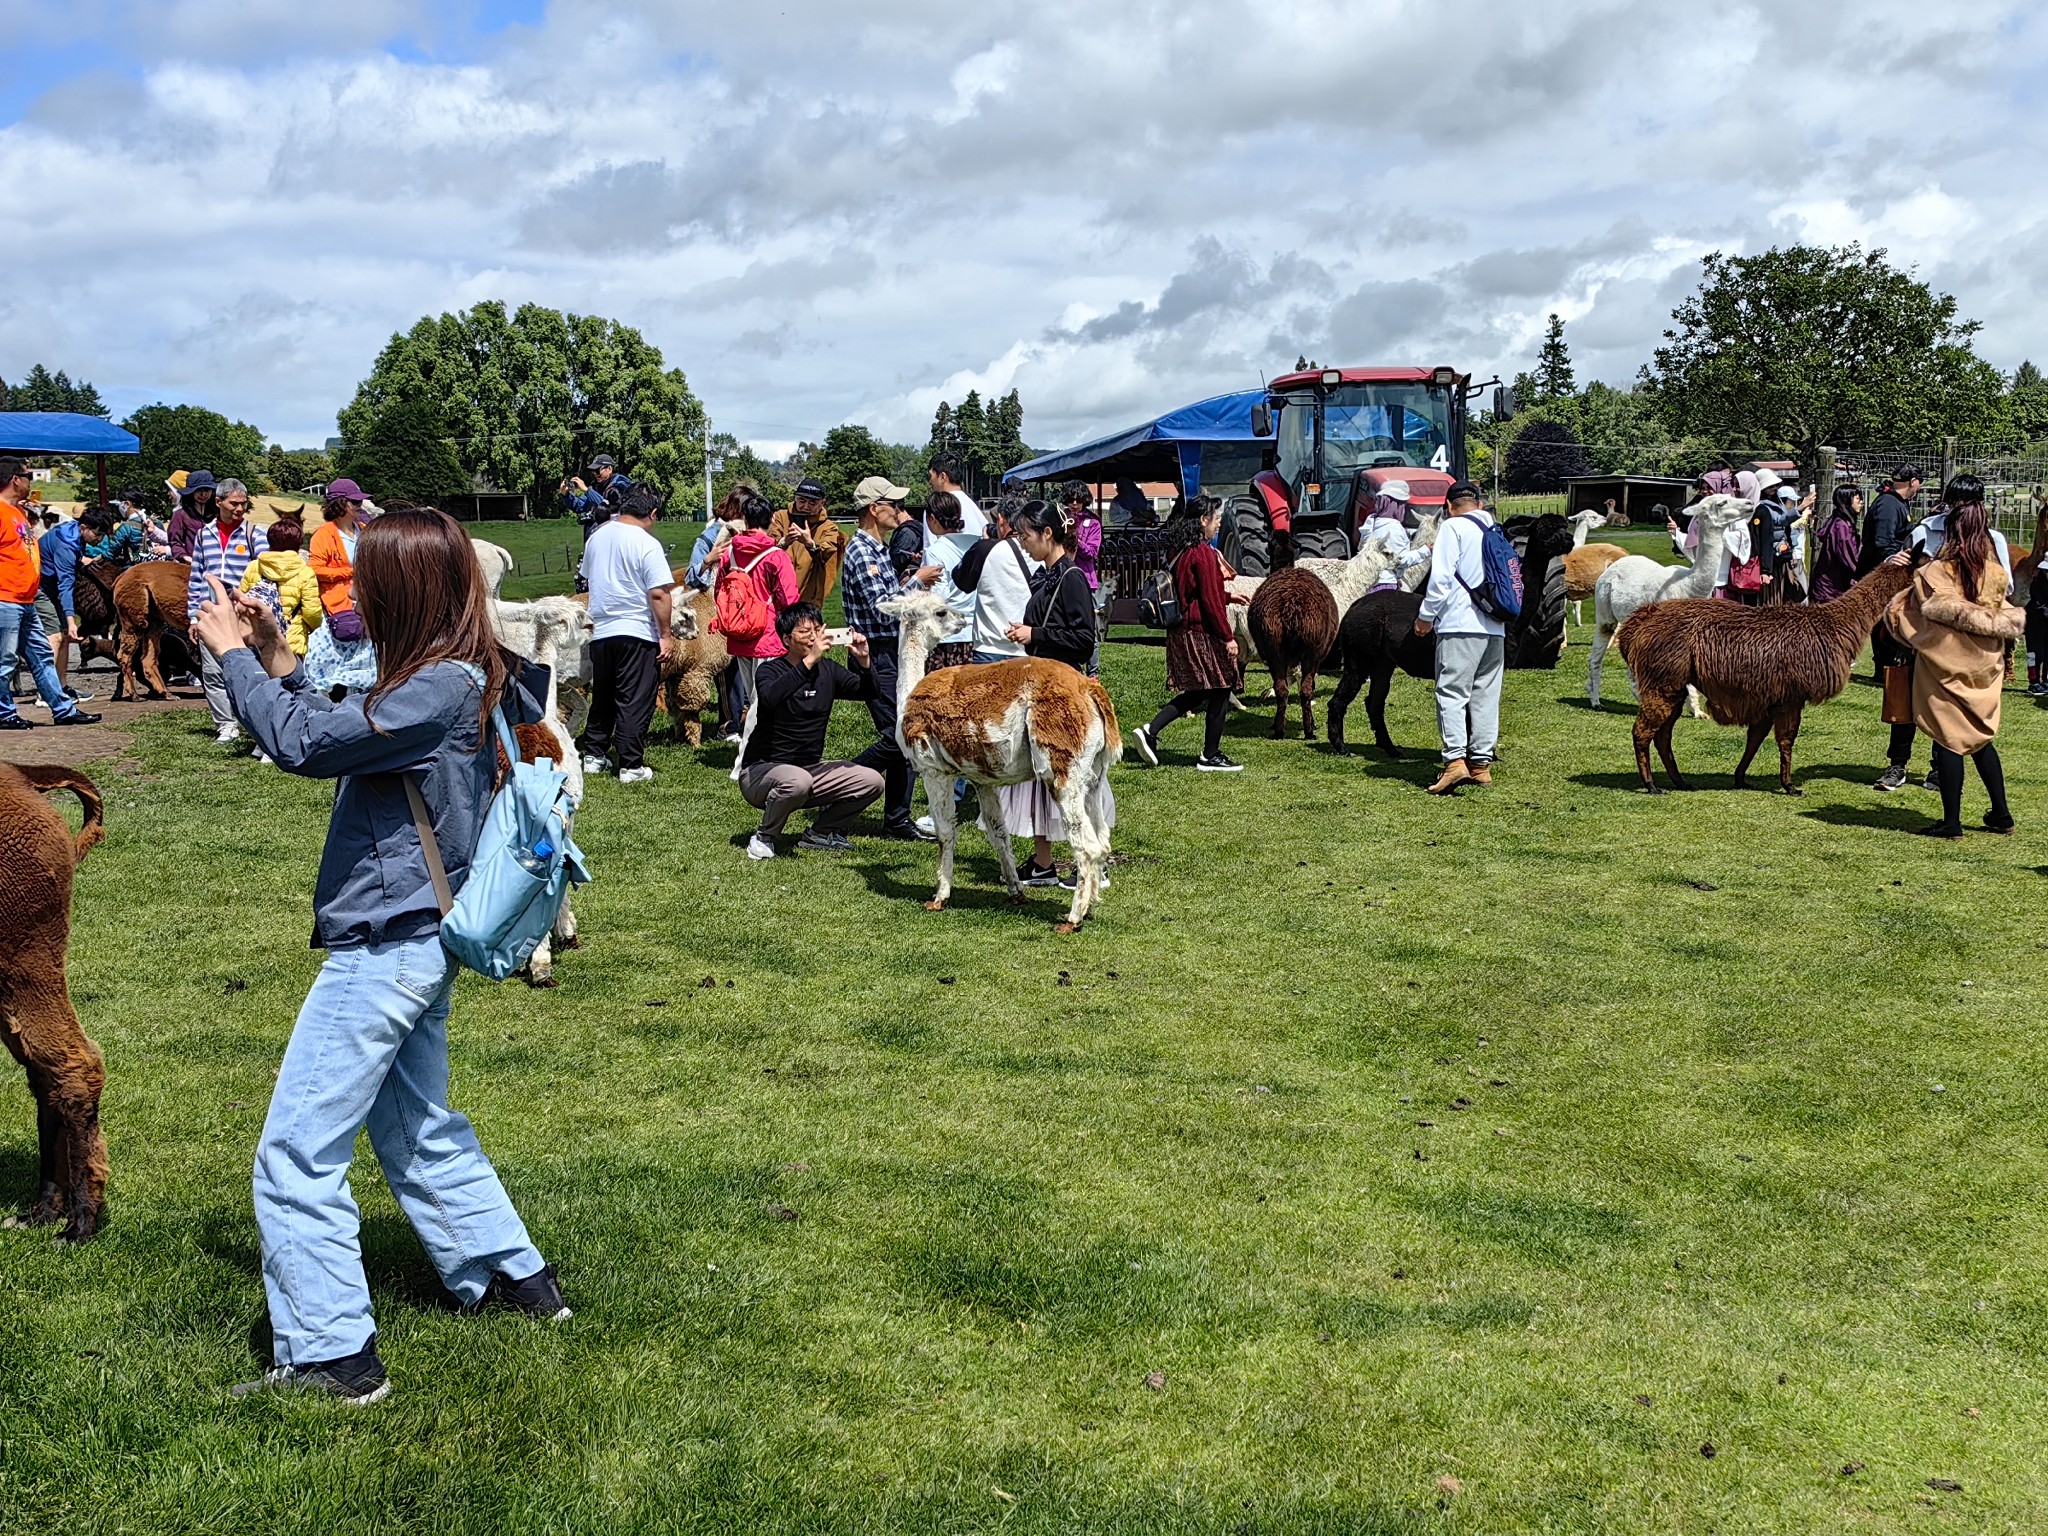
868,581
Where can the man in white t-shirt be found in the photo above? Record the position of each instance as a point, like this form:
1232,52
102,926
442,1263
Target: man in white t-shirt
630,591
943,474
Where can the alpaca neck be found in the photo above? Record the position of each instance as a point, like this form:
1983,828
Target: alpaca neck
1862,605
1706,565
912,651
1579,534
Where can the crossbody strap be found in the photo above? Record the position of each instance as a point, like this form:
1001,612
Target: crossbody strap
436,870
1023,569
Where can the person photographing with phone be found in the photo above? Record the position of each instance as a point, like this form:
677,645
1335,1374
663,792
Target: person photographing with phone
782,768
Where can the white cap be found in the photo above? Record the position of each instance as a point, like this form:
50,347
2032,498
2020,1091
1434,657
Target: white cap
1398,489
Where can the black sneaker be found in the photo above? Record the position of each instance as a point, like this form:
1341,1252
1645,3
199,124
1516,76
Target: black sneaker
16,723
356,1379
825,842
539,1296
1931,782
1892,778
1072,878
1148,749
1031,874
908,833
1216,762
76,717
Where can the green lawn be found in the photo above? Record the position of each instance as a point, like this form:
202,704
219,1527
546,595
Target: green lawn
1539,1139
547,549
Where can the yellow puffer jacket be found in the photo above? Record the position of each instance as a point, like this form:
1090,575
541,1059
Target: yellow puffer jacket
297,588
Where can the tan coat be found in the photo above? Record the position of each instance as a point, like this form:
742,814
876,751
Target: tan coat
1959,651
816,574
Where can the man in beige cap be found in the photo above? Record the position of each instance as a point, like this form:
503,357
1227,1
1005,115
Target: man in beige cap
869,579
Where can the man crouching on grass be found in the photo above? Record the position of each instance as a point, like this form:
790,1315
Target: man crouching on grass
781,770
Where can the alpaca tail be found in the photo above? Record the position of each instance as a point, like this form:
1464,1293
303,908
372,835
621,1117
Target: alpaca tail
95,828
1112,737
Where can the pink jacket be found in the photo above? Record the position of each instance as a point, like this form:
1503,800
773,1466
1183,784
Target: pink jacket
1088,546
776,577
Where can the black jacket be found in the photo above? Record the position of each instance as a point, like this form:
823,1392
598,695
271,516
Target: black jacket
1061,614
796,708
1886,527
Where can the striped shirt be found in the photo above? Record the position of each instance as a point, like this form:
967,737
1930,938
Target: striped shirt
211,558
868,581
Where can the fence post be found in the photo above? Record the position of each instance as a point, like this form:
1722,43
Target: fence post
1824,487
1948,465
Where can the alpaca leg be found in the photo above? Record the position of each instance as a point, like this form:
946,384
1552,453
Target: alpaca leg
1757,733
1786,724
48,1203
152,661
1603,636
1376,707
1308,705
1653,724
672,706
1279,703
1089,841
1348,684
1667,712
1696,702
938,789
997,830
124,658
68,1073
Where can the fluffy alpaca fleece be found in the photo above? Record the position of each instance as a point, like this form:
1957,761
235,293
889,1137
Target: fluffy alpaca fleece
1293,622
553,632
689,678
1756,667
149,599
495,561
1005,722
1636,580
65,1070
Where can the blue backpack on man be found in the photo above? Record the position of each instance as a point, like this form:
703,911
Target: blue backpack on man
1499,593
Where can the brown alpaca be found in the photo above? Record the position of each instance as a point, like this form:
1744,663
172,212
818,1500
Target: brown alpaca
2024,566
65,1072
1293,621
1757,667
98,625
149,599
689,678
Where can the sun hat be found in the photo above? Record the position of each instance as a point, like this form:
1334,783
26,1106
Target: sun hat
1398,489
345,490
1766,478
198,480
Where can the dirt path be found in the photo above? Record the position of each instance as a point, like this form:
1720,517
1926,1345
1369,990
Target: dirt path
87,743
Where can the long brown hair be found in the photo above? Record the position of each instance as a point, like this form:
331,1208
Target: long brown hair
421,597
1966,542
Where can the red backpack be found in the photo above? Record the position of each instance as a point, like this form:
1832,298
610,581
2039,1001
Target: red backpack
744,612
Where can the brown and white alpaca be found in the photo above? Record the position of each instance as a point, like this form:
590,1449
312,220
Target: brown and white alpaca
1758,667
689,678
997,723
65,1071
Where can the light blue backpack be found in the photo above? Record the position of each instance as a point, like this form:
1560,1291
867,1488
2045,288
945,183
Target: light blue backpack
525,862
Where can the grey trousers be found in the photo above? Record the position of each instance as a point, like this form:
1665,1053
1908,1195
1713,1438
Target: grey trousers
1468,673
835,792
216,685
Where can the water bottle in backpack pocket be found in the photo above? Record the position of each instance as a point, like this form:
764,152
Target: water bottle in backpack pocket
525,861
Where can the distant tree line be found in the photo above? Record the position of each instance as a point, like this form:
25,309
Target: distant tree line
42,390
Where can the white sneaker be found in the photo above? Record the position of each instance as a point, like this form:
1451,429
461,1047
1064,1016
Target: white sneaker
594,764
926,824
227,736
759,847
263,758
635,775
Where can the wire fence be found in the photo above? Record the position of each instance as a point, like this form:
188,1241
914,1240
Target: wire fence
2015,481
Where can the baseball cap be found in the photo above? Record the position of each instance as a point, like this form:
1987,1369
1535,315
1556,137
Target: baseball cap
602,461
1398,489
878,488
1464,490
810,490
344,490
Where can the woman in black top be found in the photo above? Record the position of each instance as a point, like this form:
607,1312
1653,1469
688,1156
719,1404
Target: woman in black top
1059,625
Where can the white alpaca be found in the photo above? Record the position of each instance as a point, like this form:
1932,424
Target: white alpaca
495,561
1348,580
1636,580
1003,722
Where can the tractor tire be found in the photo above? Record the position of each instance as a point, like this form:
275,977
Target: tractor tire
1246,540
1535,643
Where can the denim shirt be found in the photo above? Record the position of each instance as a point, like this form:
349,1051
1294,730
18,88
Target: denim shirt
373,885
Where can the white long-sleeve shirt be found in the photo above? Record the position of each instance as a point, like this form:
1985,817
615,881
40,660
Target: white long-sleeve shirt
1390,535
1457,566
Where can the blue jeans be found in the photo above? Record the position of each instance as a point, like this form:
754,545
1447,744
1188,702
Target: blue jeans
371,1047
22,638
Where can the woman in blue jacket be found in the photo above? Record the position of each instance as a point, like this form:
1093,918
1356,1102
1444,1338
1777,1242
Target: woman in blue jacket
371,1043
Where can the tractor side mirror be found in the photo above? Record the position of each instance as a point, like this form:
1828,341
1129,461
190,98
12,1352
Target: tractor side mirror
1262,420
1504,403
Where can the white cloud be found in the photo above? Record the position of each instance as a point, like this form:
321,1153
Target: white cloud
826,212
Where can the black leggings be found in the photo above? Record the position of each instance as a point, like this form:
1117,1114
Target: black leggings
1948,773
1215,702
1900,751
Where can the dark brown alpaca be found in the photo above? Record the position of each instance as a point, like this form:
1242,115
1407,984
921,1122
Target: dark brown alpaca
37,855
1757,667
149,600
1293,620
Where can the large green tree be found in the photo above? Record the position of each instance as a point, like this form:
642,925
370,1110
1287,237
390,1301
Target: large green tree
1811,346
297,469
42,390
848,456
175,437
1553,377
2026,404
402,453
987,438
531,396
737,461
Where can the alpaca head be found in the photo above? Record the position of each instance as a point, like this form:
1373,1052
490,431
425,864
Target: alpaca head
925,617
1724,511
1584,523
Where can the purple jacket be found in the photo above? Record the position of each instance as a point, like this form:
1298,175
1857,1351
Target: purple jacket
1088,546
1836,553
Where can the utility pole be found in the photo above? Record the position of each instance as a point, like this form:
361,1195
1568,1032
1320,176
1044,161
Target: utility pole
707,469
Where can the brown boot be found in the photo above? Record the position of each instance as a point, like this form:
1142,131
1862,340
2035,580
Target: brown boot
1455,773
1482,773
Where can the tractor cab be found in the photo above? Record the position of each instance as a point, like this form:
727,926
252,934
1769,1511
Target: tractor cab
1342,433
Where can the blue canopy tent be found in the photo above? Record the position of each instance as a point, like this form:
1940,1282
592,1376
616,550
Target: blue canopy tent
66,432
1175,446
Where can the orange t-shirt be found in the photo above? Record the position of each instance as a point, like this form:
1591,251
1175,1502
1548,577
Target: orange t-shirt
21,563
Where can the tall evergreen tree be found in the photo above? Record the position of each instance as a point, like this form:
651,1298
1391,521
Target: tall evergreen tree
1554,365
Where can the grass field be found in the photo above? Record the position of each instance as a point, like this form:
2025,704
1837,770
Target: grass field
1547,1159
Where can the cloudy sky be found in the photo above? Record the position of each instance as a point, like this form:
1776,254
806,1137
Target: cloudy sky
843,210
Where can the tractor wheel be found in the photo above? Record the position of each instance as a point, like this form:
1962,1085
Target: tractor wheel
1535,643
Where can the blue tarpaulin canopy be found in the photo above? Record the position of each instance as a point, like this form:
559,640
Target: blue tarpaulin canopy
1165,443
62,432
